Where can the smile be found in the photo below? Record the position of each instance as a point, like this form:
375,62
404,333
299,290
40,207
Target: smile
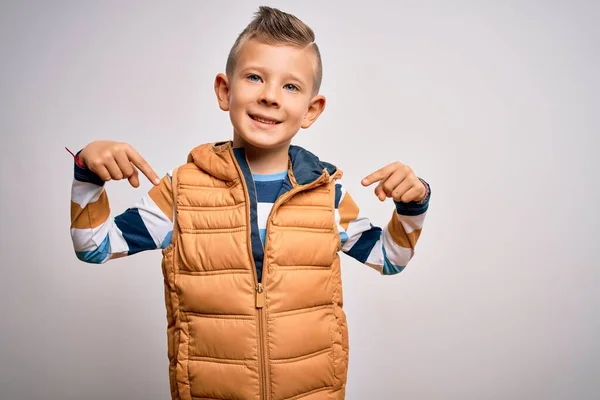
264,120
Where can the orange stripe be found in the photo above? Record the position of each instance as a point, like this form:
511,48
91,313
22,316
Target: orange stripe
374,266
92,216
162,195
348,211
399,235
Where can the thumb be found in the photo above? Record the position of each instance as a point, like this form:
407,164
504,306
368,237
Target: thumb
134,179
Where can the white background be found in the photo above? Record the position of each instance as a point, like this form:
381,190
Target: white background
495,104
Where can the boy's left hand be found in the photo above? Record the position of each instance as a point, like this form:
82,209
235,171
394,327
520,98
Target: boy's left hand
398,181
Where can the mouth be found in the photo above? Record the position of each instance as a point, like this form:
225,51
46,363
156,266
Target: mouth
264,119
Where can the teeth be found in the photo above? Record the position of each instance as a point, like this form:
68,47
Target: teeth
264,121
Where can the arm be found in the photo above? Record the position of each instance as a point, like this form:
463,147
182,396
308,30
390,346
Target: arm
388,249
97,237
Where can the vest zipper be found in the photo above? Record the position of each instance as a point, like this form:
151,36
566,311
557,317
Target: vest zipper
260,303
260,295
260,290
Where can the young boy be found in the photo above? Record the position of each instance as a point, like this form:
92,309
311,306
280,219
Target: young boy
251,230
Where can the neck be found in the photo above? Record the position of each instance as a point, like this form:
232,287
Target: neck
265,161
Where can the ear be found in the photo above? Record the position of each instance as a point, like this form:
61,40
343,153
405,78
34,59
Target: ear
316,107
222,91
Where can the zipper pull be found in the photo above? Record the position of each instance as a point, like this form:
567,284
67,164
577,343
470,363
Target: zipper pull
260,296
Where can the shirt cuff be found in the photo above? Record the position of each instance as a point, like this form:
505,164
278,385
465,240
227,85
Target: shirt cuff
83,174
415,207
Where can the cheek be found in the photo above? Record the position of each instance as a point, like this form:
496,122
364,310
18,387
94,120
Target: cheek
240,95
298,109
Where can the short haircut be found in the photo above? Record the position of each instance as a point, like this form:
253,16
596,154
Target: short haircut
272,26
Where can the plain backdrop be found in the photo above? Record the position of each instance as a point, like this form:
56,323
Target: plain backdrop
495,104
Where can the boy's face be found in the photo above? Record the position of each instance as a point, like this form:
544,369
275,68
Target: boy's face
270,94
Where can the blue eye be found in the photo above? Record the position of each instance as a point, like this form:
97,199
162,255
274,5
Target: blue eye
254,78
291,87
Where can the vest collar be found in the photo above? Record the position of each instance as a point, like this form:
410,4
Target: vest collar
217,159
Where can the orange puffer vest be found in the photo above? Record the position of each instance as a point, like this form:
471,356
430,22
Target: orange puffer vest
230,336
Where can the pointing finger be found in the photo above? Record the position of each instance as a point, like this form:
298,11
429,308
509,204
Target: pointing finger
142,165
378,175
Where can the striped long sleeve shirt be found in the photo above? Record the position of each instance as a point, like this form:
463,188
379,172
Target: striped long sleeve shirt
148,225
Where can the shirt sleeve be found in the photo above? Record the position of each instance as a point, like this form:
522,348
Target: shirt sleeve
97,237
388,249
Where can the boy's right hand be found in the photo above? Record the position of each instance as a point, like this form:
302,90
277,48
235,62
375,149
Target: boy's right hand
116,160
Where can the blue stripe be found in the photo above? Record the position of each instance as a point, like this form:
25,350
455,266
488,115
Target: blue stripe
343,237
286,186
257,247
338,194
388,267
411,209
167,240
362,248
95,256
270,177
134,231
267,192
263,235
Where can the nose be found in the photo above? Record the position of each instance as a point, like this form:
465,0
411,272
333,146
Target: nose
269,96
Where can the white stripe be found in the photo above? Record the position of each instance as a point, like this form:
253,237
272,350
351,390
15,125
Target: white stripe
157,223
84,193
263,210
355,230
118,244
376,255
411,223
337,220
89,239
396,254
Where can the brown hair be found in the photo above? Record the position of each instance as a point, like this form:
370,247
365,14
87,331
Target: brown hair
273,26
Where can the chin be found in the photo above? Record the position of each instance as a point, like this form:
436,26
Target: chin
265,145
262,140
